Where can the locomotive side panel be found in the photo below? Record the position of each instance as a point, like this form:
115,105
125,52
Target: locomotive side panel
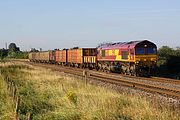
121,54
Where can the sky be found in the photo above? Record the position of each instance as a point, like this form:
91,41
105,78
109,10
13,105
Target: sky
50,24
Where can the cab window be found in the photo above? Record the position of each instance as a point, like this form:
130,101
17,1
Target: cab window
140,51
151,50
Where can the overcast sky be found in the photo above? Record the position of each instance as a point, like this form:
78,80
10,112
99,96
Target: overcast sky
50,24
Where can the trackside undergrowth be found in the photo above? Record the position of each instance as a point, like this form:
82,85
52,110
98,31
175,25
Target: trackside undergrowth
48,95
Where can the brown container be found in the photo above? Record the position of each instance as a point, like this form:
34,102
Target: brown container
77,55
35,56
44,56
52,55
61,56
30,56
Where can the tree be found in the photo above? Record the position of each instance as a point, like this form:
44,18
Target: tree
169,60
163,55
165,51
177,51
13,47
3,53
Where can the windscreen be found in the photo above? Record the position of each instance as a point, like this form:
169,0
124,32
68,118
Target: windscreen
140,51
151,50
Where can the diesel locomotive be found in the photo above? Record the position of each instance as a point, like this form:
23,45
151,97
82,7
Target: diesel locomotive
136,58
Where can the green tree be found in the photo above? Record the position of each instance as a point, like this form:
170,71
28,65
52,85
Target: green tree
13,50
3,53
177,51
13,47
169,61
163,54
165,51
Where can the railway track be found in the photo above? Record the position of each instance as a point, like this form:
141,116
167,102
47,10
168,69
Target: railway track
156,79
110,78
139,85
153,79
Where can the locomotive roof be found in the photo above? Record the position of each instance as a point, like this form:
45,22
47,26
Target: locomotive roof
130,44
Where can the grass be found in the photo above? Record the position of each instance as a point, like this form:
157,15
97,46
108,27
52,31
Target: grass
7,108
49,95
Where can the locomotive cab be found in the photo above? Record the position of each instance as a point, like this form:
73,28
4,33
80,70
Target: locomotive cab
145,58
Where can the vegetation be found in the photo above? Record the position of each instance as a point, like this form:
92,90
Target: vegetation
13,52
169,61
7,108
165,52
13,47
3,53
48,95
18,55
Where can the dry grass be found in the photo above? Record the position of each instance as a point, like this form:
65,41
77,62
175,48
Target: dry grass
7,108
70,99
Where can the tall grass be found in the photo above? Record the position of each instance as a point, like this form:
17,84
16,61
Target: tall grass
7,108
49,95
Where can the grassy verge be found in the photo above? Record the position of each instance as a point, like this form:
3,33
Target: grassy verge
47,95
7,108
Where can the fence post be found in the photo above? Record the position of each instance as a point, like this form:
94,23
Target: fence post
15,93
28,116
85,76
17,108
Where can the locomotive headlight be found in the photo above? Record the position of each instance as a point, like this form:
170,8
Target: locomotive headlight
153,59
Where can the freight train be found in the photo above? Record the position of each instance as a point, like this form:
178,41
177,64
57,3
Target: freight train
136,58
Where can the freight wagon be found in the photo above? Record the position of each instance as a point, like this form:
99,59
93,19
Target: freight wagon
43,56
34,56
82,57
61,56
31,56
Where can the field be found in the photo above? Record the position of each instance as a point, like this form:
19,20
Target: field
42,94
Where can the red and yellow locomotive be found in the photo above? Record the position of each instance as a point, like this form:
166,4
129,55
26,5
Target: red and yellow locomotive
135,57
